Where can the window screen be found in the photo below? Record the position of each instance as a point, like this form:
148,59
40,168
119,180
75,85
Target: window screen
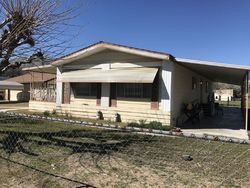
134,90
84,89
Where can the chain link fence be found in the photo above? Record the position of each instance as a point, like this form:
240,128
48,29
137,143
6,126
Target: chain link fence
35,152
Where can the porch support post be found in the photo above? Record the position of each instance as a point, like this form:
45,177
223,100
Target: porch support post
166,82
105,94
59,87
8,94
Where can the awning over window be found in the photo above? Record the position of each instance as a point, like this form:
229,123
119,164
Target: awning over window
125,75
11,85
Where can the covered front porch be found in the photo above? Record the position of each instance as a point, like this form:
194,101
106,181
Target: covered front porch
224,120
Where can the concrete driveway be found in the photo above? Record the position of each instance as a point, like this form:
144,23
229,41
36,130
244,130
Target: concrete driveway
230,124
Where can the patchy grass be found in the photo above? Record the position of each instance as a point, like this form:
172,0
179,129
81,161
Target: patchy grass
47,154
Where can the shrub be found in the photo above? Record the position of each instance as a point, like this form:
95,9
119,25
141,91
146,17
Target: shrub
142,122
154,125
46,113
54,112
151,125
133,124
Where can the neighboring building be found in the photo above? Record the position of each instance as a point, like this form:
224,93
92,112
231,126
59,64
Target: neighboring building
36,80
136,83
224,94
6,87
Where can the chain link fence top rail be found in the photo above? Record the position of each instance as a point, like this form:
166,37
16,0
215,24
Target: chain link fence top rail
35,152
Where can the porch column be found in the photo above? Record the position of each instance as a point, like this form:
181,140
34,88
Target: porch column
166,84
105,94
59,87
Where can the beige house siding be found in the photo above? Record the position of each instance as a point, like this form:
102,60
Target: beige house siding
128,103
110,57
42,106
182,89
127,114
83,111
87,101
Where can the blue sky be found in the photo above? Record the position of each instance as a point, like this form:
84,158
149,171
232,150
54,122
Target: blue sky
197,29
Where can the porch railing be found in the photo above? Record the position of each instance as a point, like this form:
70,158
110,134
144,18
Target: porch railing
43,94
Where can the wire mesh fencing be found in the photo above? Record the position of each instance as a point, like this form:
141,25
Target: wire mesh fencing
41,153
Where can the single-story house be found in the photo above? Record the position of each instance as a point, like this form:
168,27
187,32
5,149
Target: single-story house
223,94
135,83
30,80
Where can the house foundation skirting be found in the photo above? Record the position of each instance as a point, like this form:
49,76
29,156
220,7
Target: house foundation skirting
126,114
42,106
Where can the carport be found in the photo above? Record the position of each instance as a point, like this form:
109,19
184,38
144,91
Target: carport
224,73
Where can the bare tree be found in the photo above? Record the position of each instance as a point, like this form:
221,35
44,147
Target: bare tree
31,29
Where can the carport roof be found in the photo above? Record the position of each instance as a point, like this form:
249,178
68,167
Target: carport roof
217,72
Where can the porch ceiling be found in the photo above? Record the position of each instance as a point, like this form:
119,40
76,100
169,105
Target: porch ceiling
216,72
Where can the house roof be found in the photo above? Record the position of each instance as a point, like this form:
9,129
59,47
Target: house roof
216,72
100,46
10,85
33,77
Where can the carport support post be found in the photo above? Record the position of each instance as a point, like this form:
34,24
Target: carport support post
247,97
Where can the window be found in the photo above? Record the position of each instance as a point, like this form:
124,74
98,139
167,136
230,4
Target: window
194,83
134,90
84,89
